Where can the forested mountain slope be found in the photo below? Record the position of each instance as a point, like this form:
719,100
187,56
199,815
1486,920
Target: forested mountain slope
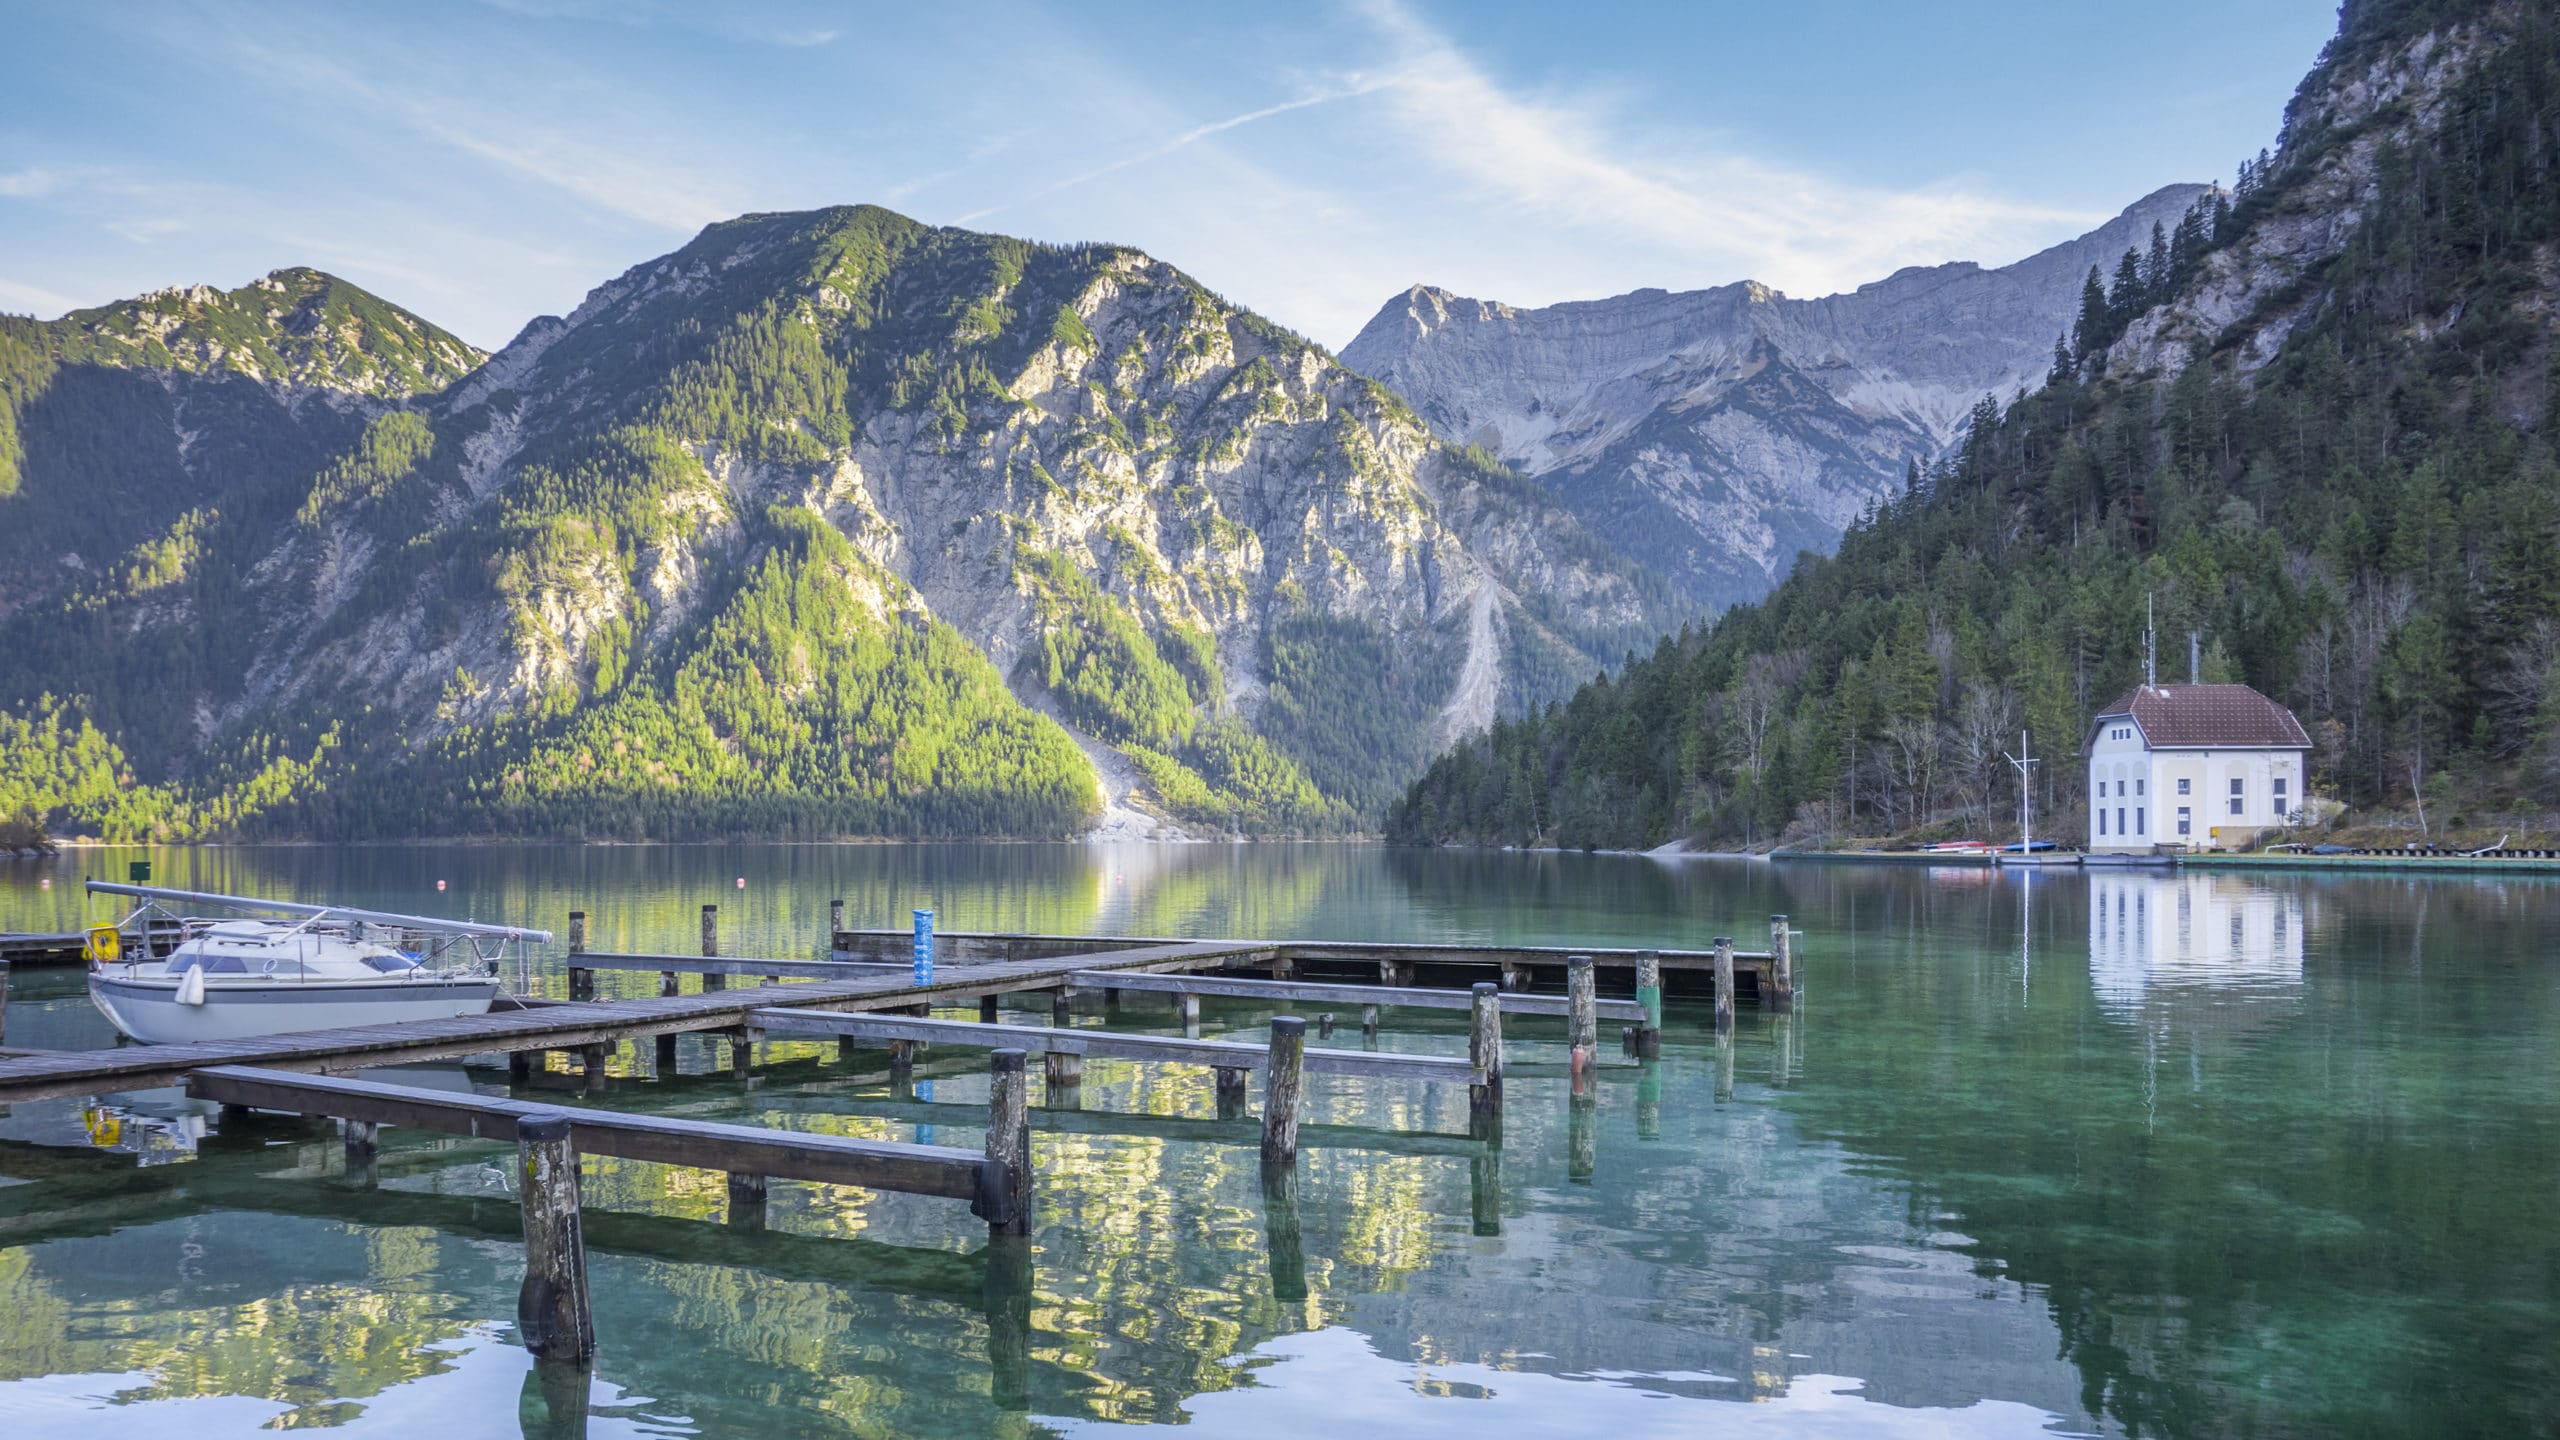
2320,437
827,523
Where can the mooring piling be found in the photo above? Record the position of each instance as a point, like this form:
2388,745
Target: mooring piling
1582,1136
1231,1101
747,1192
1009,1138
1782,965
711,947
1724,984
1188,1004
835,927
1282,1081
1005,1289
554,1313
582,981
1062,1069
1649,1101
1484,1047
1583,1019
1649,995
1484,1187
364,1148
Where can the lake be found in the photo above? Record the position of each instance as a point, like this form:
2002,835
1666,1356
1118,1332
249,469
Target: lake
2110,1153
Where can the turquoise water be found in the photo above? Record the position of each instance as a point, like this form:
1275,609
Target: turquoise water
2117,1153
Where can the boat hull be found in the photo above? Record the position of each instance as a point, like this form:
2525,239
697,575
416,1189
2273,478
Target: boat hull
148,1010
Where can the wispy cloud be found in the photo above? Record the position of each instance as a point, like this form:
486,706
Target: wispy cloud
18,295
1179,141
29,183
1564,162
633,180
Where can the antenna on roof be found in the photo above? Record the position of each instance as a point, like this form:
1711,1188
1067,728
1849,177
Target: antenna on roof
2150,647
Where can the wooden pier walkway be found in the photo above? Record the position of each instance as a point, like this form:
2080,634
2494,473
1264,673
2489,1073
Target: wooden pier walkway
59,1073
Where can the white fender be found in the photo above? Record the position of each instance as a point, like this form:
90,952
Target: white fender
191,988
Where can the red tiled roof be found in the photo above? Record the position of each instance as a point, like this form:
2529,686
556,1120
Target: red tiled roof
2204,715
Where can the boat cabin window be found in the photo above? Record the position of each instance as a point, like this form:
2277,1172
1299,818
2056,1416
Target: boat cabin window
210,964
391,964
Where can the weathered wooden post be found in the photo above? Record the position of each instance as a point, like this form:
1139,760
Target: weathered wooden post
1282,1230
1582,1023
4,999
835,928
591,1060
363,1147
1484,1048
1649,995
1782,965
742,1051
1282,1082
1189,1006
986,1009
1582,1136
902,1060
1484,1184
1062,1006
1649,1101
670,985
1230,1092
746,1200
1368,1022
1724,984
1724,1066
1394,973
1515,976
1062,1070
520,1066
711,946
553,1312
1324,1025
582,981
1009,1139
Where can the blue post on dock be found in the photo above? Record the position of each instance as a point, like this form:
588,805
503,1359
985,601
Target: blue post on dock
924,947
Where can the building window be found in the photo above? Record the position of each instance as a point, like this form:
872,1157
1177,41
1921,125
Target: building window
2102,819
2186,825
2235,787
2141,826
2119,788
2137,786
2279,787
2235,804
2279,806
2182,787
2120,822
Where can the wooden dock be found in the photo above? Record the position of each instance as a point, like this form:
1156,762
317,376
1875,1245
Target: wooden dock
870,993
32,950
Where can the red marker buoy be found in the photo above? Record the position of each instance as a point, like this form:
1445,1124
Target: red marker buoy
742,882
439,885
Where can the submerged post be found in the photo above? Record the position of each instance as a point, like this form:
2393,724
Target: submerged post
363,1145
986,1009
1724,984
1009,1139
835,925
1649,995
1484,1047
1230,1093
1484,1184
1782,965
1281,1232
553,1312
1582,1137
746,1200
1281,1083
1062,1006
1368,1022
1189,1005
711,946
1582,1006
670,985
582,981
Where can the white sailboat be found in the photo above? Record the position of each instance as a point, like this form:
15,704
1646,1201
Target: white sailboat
324,968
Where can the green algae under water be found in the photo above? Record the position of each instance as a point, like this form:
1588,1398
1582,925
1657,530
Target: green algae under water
2123,1152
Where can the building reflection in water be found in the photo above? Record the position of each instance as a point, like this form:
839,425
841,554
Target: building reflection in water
2166,943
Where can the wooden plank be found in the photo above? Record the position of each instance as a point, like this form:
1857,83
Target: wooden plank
1159,1049
698,1144
738,965
1320,993
1545,955
1188,1129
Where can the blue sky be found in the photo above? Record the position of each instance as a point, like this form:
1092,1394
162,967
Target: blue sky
485,163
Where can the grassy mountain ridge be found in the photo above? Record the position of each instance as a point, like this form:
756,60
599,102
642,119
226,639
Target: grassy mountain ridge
2320,442
811,527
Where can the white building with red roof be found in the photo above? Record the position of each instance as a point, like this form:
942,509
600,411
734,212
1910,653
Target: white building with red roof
2203,767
